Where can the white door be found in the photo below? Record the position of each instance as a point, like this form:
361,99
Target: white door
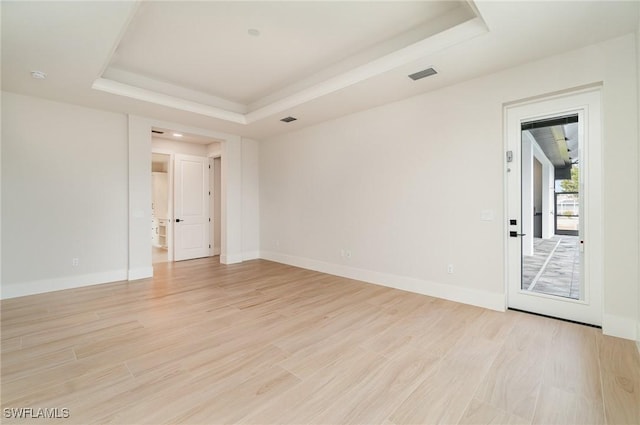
191,212
542,252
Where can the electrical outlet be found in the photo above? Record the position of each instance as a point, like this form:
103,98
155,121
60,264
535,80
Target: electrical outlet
450,269
347,253
75,262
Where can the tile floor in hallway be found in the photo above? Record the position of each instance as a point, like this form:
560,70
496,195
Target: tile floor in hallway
159,255
554,268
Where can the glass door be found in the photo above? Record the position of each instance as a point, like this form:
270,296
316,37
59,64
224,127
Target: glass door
546,179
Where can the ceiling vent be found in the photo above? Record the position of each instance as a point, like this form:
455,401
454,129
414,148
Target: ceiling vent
422,74
157,131
288,119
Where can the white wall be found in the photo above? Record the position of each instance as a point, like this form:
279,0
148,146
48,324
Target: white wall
620,186
170,146
638,99
250,199
139,162
64,184
214,149
402,186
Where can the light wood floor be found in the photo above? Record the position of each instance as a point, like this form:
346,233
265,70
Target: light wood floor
266,343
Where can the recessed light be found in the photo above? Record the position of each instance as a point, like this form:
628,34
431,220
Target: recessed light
288,119
177,135
38,75
253,32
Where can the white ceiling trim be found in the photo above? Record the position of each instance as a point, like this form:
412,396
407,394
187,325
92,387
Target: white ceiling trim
430,45
126,90
147,83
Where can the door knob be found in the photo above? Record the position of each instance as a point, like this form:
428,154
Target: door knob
178,220
515,234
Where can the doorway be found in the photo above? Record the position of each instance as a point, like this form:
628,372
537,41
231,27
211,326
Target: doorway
553,191
184,164
160,207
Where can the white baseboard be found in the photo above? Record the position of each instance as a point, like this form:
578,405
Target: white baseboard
21,289
621,327
492,301
231,259
140,273
252,255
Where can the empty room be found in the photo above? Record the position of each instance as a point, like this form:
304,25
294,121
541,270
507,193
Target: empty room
320,212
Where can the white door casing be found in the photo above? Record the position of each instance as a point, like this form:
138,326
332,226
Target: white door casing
191,207
587,105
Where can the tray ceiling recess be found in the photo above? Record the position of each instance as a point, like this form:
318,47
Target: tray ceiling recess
247,61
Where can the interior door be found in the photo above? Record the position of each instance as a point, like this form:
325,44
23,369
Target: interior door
586,305
191,207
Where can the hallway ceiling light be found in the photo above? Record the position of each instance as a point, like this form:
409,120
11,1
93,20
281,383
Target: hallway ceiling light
177,135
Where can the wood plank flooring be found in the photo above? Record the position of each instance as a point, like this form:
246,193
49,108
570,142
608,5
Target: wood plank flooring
265,343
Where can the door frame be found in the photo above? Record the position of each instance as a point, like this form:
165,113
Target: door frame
169,199
215,200
139,194
587,101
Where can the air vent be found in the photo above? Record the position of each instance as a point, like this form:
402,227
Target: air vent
157,131
288,119
424,73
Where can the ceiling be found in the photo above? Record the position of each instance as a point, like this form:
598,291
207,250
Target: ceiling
239,67
176,136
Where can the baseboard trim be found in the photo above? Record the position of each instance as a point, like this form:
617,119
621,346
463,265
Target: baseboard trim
231,259
620,327
140,273
492,301
21,289
252,255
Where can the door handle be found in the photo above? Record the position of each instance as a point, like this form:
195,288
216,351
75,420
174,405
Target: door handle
178,220
515,234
